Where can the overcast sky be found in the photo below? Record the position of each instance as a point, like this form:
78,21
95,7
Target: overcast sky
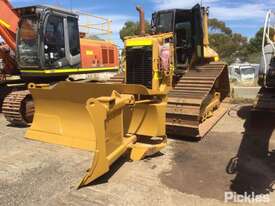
243,16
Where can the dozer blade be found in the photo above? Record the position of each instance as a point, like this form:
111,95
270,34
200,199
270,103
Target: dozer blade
91,117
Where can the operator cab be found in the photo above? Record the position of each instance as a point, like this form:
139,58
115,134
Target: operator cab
186,24
47,38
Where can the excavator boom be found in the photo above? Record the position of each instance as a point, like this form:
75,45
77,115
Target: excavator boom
8,23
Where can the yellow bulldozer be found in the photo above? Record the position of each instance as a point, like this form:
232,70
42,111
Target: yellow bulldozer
179,47
173,83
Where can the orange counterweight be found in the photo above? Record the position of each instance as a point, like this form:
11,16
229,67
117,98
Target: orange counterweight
98,53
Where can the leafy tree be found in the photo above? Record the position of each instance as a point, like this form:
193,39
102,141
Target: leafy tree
218,26
131,28
227,44
255,43
254,47
223,40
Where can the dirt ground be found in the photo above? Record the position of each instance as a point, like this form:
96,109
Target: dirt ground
237,155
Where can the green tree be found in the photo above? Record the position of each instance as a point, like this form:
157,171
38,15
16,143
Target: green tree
131,28
255,43
223,40
227,44
218,26
254,47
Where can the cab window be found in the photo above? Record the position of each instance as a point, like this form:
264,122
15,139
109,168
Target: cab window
54,44
165,22
73,36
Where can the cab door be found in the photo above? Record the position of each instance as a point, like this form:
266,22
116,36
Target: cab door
61,42
72,41
54,42
197,30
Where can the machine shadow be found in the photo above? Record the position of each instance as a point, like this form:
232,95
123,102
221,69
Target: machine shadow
113,168
116,166
18,126
183,138
254,164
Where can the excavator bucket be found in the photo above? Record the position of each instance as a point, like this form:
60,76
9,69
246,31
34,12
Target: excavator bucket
93,117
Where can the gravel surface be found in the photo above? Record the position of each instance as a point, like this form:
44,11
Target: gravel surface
235,156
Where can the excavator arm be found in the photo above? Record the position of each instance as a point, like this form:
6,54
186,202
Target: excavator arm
8,26
8,23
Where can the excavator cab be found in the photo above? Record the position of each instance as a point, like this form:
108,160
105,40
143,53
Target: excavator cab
186,26
47,38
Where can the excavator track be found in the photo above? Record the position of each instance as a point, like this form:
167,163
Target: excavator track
18,108
117,78
188,112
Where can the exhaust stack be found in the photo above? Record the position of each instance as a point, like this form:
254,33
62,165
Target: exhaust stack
141,19
205,27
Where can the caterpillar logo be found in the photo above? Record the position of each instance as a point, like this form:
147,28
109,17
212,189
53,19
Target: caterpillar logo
89,52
